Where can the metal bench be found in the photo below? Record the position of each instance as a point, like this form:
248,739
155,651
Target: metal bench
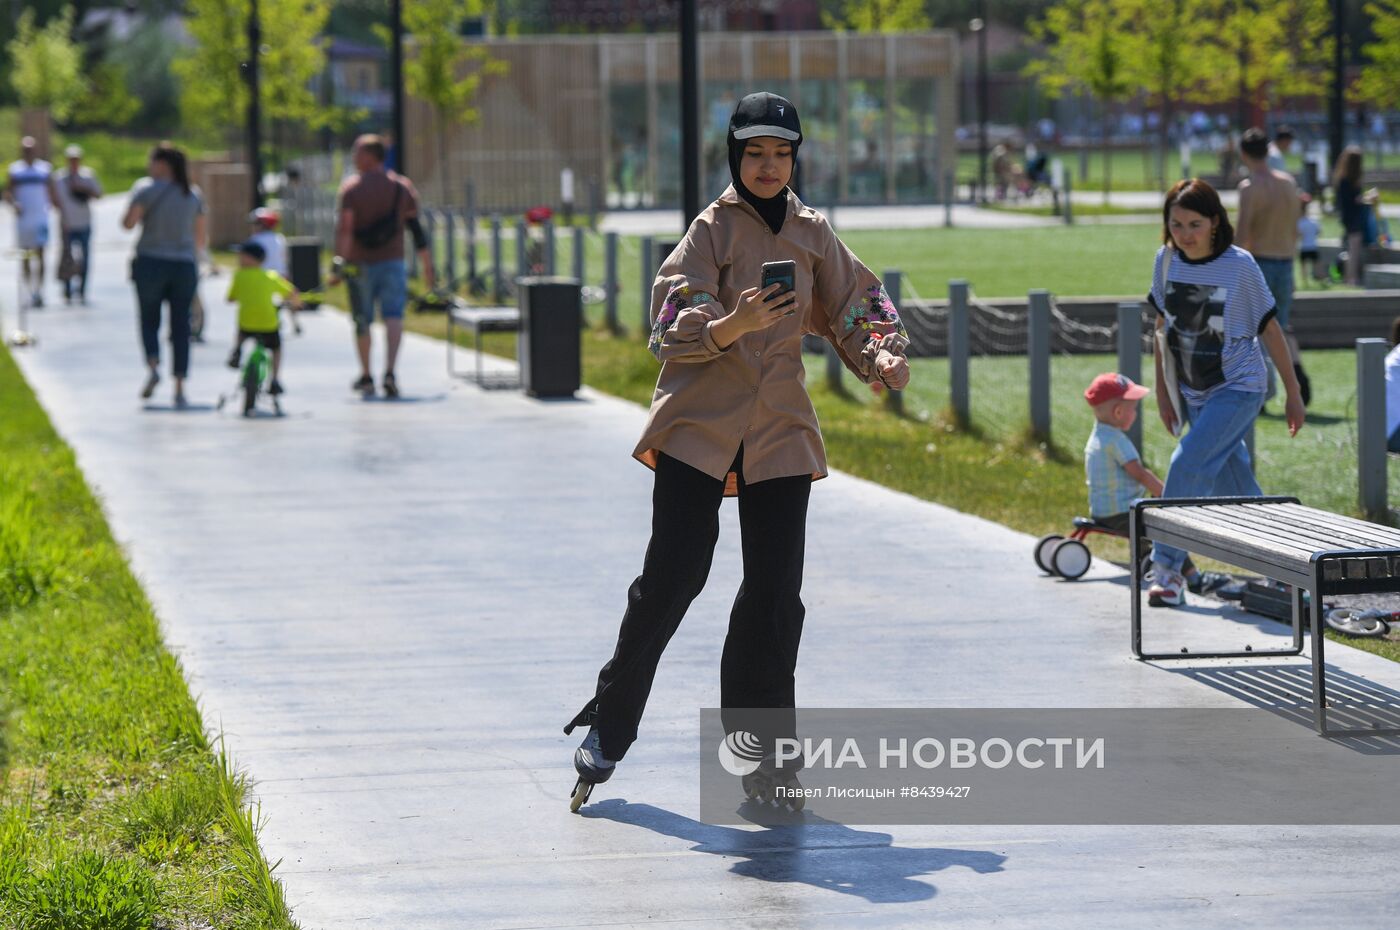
1311,550
482,320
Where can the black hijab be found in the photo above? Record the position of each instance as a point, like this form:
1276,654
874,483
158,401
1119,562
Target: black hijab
758,115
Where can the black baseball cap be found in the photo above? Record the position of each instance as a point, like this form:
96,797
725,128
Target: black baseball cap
254,249
765,114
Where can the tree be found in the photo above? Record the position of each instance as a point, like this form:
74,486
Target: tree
108,101
1158,61
1086,50
1263,49
294,56
46,69
213,94
446,70
879,16
1380,79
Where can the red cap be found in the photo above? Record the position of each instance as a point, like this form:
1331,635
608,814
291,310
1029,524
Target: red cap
1113,386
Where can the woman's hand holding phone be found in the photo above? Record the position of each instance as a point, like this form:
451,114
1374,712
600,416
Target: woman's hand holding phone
760,308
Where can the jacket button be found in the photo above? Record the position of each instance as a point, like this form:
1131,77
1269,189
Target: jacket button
757,353
753,390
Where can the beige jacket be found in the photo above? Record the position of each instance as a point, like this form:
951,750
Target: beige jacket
708,401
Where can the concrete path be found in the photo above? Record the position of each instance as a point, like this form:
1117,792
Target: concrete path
391,609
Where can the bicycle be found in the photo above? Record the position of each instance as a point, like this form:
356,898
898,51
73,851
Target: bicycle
251,379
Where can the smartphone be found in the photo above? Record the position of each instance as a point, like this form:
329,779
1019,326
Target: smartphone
785,273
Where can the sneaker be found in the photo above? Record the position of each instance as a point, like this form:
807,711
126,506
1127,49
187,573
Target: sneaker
391,385
365,385
1208,582
150,387
235,359
180,402
37,300
1168,590
275,387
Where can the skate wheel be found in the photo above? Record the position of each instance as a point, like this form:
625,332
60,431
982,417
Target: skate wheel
1042,552
797,803
579,796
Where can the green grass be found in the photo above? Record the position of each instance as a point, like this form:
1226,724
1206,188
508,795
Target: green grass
115,809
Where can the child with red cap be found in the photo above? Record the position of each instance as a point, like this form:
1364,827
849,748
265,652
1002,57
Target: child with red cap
1114,470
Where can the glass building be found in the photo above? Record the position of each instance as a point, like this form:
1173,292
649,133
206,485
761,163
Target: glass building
878,114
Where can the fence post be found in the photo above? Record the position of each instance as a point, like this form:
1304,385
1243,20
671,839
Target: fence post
950,179
648,275
522,249
471,232
498,271
578,254
549,247
1370,428
1130,356
894,289
451,221
1038,349
958,295
1069,205
610,281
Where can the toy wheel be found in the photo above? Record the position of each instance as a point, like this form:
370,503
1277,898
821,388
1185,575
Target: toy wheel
1354,622
250,389
1042,552
1070,559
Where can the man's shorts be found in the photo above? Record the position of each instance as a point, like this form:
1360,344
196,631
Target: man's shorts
382,284
32,236
271,341
1307,255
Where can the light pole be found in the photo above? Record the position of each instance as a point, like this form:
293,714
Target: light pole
1336,112
979,27
254,104
690,112
396,81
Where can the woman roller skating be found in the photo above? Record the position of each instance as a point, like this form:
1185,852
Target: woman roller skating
731,418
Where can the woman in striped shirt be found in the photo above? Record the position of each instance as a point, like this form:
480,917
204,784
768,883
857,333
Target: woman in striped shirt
1218,316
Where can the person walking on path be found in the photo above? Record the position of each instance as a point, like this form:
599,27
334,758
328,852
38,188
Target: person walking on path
1354,209
731,417
376,206
75,188
29,189
1268,229
1213,310
174,232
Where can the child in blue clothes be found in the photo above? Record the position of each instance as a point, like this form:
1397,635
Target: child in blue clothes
1113,469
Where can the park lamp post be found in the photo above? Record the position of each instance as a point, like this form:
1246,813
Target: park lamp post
254,129
979,27
396,82
690,111
1336,108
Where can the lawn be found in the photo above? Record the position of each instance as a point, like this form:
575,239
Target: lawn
116,809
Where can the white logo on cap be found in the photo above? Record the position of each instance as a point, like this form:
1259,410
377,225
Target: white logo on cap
780,111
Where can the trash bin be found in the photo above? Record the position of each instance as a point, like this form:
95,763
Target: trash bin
304,262
551,313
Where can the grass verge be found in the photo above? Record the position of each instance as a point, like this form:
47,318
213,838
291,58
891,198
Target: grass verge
116,811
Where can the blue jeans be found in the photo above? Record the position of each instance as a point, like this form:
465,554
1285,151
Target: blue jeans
161,280
382,283
1211,460
71,238
1278,274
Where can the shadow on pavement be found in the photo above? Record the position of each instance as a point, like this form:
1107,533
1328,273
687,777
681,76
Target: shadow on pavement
1286,690
810,850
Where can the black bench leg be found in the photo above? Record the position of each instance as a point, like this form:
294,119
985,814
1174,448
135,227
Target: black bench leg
1319,676
1135,553
1298,613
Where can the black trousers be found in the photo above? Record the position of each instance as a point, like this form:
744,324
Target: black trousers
765,624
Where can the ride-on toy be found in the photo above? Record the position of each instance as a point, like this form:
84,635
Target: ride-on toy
1068,556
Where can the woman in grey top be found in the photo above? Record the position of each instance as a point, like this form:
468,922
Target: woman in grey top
171,214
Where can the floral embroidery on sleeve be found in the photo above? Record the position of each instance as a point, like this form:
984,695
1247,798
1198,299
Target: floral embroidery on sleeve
677,299
874,311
